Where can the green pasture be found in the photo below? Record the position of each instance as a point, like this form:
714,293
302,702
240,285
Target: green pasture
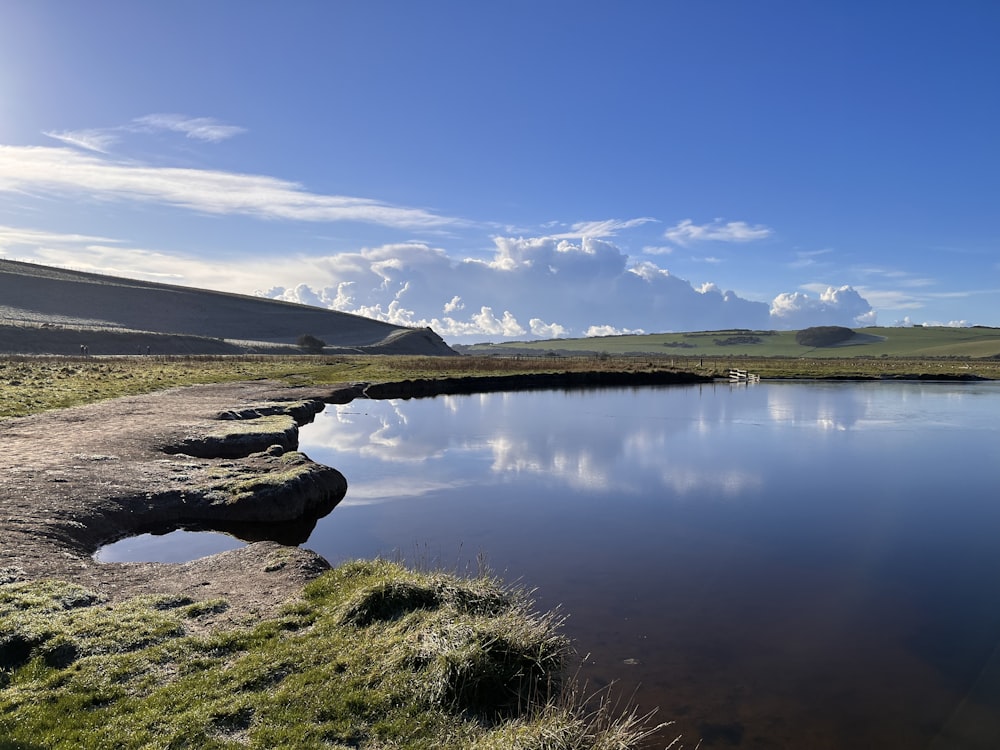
31,384
913,342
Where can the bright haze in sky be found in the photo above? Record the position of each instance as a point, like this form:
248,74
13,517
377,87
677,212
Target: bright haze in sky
516,170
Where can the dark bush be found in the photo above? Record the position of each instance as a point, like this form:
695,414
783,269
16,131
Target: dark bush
823,335
311,344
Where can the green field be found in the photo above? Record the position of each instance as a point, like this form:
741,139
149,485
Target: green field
33,384
914,342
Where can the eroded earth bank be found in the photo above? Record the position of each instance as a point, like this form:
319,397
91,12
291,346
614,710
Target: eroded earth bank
75,479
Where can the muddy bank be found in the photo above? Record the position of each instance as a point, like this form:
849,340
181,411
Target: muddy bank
203,456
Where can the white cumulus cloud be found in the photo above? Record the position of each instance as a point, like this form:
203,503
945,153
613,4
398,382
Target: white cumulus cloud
607,330
533,287
541,329
561,288
841,306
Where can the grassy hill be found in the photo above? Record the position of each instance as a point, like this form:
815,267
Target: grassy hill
916,343
46,310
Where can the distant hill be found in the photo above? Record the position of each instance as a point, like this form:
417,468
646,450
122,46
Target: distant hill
915,341
45,310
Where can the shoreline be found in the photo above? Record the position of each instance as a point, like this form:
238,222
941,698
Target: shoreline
220,456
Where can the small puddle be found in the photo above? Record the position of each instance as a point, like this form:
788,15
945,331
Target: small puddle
173,547
174,544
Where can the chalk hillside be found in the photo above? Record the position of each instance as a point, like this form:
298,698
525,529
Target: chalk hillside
46,310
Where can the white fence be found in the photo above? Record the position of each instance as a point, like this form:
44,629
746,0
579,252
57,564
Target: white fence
742,376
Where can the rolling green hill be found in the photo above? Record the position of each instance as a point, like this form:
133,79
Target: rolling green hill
913,342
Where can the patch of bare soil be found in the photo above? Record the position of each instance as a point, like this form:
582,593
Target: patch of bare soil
75,479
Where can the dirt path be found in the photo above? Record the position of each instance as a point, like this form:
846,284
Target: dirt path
75,479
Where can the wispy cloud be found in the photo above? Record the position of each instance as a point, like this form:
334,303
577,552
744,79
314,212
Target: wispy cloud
601,229
896,277
121,257
13,237
905,299
199,128
892,299
63,171
894,289
962,294
206,129
807,258
91,140
687,231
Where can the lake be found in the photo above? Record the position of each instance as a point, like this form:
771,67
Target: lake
780,565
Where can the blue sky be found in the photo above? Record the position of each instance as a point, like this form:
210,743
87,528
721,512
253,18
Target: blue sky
517,170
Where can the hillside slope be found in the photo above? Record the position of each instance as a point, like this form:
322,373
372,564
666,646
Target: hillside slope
55,311
916,341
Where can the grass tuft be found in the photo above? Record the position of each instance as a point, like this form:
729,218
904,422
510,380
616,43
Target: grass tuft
372,656
491,666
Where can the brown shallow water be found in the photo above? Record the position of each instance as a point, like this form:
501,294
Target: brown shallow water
774,566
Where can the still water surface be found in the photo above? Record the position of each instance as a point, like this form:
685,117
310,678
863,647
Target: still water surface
774,566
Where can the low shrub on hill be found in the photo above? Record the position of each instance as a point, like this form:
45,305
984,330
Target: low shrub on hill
738,340
823,336
310,344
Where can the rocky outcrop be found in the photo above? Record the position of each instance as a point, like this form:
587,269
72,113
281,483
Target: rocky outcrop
242,432
201,457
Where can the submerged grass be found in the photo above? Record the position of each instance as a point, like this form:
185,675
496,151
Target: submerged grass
372,656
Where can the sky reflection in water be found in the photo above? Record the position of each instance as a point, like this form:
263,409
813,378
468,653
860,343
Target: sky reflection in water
784,565
775,566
